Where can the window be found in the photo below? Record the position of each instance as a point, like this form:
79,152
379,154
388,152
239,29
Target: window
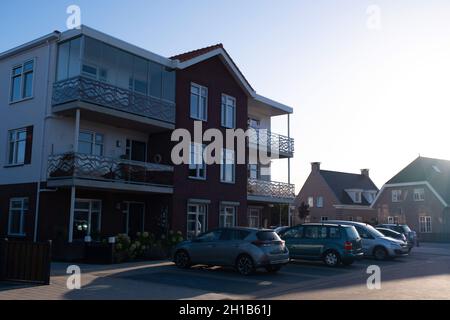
319,202
17,145
87,217
355,195
335,232
197,165
136,150
311,202
211,236
253,171
228,111
18,208
90,143
254,123
323,218
296,233
315,232
227,168
254,218
350,218
419,194
22,81
199,102
391,220
196,220
425,224
396,195
227,216
370,196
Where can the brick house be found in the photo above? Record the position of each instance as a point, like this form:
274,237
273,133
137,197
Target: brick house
337,195
419,195
86,132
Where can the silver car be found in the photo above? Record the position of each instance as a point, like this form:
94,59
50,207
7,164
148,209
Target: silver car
246,249
375,243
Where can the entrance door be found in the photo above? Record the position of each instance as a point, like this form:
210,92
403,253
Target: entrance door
136,150
134,218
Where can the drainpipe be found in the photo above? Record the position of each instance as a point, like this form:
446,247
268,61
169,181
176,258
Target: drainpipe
73,190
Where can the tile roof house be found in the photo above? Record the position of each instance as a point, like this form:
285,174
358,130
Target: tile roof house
419,195
338,195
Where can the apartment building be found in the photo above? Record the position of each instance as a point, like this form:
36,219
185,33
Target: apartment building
87,121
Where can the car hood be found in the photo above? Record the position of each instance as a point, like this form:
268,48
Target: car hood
393,240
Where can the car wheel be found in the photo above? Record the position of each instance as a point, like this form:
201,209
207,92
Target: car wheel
245,265
331,258
273,269
182,259
380,253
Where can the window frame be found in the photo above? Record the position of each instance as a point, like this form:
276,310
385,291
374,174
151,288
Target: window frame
310,202
223,215
23,212
199,99
425,224
92,142
224,165
319,204
197,213
16,141
419,191
223,111
22,80
398,193
89,212
198,167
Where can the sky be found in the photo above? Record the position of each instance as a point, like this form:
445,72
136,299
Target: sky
368,80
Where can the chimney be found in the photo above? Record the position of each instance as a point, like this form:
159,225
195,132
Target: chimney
365,172
315,166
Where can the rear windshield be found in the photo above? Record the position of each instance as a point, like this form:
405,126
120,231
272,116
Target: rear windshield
352,233
406,229
267,236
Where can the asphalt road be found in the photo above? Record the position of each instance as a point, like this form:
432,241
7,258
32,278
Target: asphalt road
425,274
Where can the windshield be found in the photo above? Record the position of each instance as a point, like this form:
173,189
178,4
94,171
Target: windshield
374,232
406,229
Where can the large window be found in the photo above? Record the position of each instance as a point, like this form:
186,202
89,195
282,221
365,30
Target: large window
18,208
90,143
87,217
396,195
227,218
228,167
228,111
99,61
197,165
22,81
419,194
199,102
254,218
196,219
16,146
425,224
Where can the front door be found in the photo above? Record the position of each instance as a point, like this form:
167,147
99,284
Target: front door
134,218
136,150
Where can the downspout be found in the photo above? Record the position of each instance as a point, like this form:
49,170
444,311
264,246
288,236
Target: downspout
46,116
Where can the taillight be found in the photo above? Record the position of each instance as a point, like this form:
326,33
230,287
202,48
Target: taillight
348,246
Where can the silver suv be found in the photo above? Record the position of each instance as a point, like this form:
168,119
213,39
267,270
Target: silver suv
375,243
243,248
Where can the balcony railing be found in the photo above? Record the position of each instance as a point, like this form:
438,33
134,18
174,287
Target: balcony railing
90,167
271,189
272,141
109,96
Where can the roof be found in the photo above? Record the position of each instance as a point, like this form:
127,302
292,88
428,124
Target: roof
434,171
196,53
341,181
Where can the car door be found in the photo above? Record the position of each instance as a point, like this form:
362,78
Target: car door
229,246
203,249
293,238
314,238
368,241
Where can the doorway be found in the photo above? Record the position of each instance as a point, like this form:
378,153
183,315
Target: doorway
134,218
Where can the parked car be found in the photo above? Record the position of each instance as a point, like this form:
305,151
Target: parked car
280,230
411,236
246,249
392,234
332,243
375,244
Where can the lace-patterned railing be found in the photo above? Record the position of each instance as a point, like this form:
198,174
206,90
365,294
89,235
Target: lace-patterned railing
273,141
271,189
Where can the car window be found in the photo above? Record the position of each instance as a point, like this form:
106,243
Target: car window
296,233
210,236
267,236
234,234
335,232
352,233
315,232
406,229
363,233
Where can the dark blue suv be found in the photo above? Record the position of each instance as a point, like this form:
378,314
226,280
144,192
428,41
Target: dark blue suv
332,243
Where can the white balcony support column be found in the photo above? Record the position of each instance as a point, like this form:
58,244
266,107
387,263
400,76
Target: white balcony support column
77,131
72,213
289,138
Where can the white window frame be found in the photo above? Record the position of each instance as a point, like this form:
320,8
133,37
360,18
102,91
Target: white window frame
23,211
15,142
228,161
311,202
197,213
226,212
202,112
22,81
355,195
224,106
419,194
254,214
391,220
396,195
425,224
93,141
319,202
323,219
89,212
195,157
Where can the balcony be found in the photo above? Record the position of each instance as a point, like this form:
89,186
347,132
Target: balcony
272,141
102,98
270,191
89,171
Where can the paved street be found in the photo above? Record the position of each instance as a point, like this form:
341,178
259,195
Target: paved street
423,275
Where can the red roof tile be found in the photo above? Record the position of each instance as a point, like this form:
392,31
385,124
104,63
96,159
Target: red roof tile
193,54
